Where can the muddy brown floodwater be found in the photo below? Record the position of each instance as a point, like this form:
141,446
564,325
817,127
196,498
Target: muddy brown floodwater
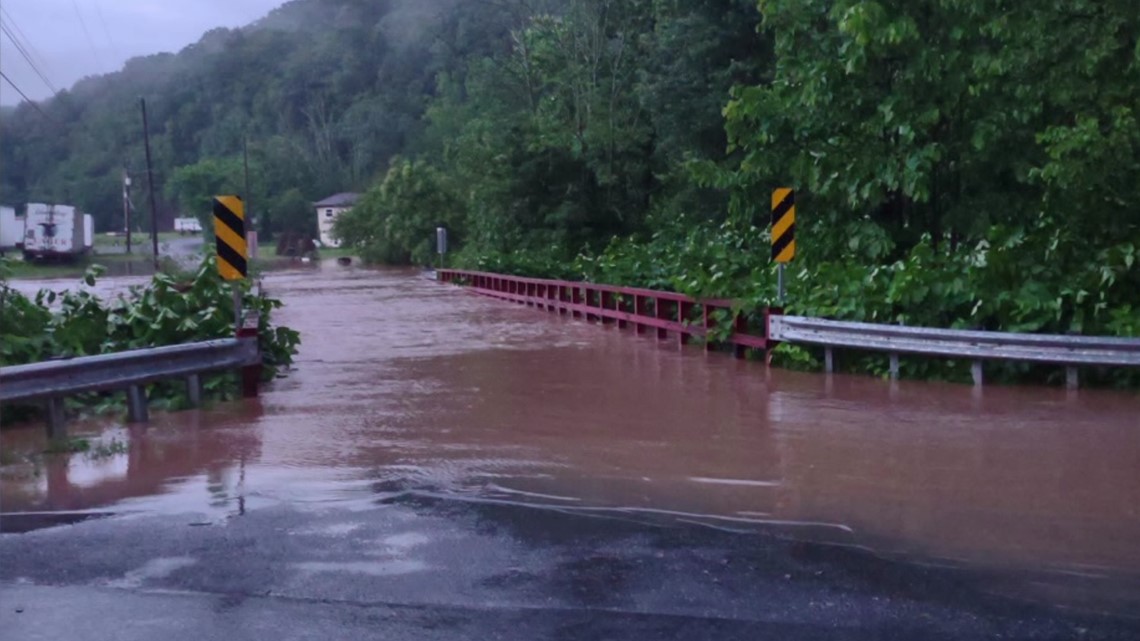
406,385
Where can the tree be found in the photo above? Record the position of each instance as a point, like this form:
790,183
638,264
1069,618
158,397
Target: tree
395,221
193,187
938,119
291,212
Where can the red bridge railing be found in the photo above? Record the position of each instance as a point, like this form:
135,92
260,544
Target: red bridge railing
643,309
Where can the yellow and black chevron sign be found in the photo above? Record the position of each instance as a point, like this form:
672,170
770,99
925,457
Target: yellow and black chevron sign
783,225
229,228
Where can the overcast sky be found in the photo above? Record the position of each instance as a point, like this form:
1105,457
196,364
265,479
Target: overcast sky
52,31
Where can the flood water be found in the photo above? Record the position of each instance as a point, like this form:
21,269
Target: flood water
406,385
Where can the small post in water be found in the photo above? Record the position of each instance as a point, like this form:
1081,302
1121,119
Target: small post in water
441,243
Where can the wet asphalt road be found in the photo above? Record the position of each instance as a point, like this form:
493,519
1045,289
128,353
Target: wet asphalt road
414,566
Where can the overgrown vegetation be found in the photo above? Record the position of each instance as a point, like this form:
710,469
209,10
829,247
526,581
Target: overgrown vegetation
171,309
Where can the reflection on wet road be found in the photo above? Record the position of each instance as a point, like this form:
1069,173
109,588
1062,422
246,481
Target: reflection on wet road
406,388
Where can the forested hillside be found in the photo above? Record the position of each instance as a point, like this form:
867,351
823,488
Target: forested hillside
325,92
957,163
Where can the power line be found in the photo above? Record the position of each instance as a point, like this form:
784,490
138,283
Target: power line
90,41
27,57
25,96
106,31
24,37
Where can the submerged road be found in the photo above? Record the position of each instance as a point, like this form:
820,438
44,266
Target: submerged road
444,466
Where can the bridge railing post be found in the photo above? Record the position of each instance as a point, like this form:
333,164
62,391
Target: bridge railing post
740,326
769,344
684,310
640,311
659,311
706,322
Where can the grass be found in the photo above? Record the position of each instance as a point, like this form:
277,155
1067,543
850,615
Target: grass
91,450
138,239
269,250
107,450
337,252
20,269
67,446
17,268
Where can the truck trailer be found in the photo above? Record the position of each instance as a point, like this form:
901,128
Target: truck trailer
57,232
11,230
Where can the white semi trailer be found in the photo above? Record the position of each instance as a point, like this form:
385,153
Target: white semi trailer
57,232
11,229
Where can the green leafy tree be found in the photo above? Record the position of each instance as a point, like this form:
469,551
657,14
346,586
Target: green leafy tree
193,187
292,212
395,221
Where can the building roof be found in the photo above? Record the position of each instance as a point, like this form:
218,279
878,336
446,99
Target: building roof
343,199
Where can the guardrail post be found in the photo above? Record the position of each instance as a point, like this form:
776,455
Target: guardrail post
250,374
1072,377
194,390
136,404
56,419
976,373
894,366
828,360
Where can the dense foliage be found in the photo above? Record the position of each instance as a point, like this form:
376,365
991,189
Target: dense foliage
957,164
169,310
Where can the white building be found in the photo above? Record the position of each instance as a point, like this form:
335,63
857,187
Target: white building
328,210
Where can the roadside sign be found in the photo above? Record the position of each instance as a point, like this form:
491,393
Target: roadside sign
229,228
783,224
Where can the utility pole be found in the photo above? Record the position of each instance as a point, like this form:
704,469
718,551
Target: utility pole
150,185
251,226
127,208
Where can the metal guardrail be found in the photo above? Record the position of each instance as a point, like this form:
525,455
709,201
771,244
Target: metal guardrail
669,312
1070,351
123,369
51,381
